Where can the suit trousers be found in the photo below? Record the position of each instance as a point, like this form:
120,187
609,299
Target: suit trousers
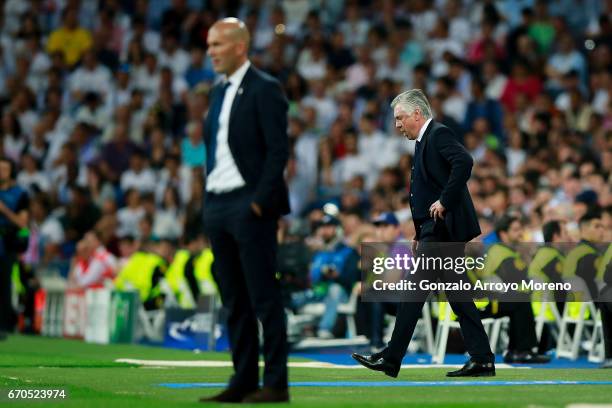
244,246
431,233
7,313
521,332
605,306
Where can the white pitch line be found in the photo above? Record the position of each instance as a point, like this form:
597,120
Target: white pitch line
308,364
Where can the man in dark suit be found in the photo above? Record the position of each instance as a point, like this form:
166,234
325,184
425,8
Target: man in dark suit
443,212
247,150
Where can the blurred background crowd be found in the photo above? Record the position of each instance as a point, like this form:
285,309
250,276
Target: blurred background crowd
102,107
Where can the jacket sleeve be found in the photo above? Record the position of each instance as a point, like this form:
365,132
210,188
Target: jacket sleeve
460,162
272,106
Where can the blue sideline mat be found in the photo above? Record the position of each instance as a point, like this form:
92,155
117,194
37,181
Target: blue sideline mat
397,383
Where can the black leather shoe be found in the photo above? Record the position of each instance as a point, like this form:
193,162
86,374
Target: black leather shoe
525,357
473,369
227,395
267,394
377,364
372,357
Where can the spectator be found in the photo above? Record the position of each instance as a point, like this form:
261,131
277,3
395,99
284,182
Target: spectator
483,107
170,55
129,216
169,217
12,141
333,273
174,175
354,27
70,39
81,214
116,154
566,59
521,88
495,80
541,29
197,72
139,176
46,232
30,178
193,150
311,63
93,264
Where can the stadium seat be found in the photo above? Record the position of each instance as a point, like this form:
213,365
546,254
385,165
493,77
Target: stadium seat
546,312
423,338
347,309
447,321
596,352
576,314
151,324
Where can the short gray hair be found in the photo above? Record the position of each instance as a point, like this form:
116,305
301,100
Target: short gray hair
412,100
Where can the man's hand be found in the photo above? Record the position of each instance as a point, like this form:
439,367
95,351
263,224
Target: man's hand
20,219
415,245
330,272
437,210
3,208
256,209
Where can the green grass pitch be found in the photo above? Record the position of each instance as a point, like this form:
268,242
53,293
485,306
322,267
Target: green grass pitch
92,378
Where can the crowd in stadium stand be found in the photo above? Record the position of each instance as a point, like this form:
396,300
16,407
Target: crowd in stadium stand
103,102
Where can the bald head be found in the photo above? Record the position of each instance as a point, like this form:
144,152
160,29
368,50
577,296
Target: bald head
234,28
228,45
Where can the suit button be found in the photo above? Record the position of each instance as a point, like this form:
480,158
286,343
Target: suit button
411,195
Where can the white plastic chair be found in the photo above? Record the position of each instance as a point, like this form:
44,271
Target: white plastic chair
547,303
445,323
568,345
597,352
349,309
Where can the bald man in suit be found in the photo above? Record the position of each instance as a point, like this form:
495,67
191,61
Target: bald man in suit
247,150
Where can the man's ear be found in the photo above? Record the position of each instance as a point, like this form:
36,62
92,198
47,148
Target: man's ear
242,48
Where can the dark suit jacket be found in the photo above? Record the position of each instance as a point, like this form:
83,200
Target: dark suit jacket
447,166
258,139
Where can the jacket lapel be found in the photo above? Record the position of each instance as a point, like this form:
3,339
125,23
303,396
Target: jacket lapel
424,144
214,93
240,91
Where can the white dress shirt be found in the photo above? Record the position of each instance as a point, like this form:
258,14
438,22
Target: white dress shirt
423,129
225,176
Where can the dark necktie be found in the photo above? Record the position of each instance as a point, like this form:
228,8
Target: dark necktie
417,149
215,112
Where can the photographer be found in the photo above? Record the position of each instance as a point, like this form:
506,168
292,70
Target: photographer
13,238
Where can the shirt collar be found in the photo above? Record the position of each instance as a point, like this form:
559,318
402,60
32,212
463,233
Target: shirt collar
237,77
423,129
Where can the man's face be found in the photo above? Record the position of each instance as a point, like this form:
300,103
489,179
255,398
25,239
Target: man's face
327,232
136,163
514,233
5,171
593,231
387,232
562,236
91,241
224,51
406,123
165,250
